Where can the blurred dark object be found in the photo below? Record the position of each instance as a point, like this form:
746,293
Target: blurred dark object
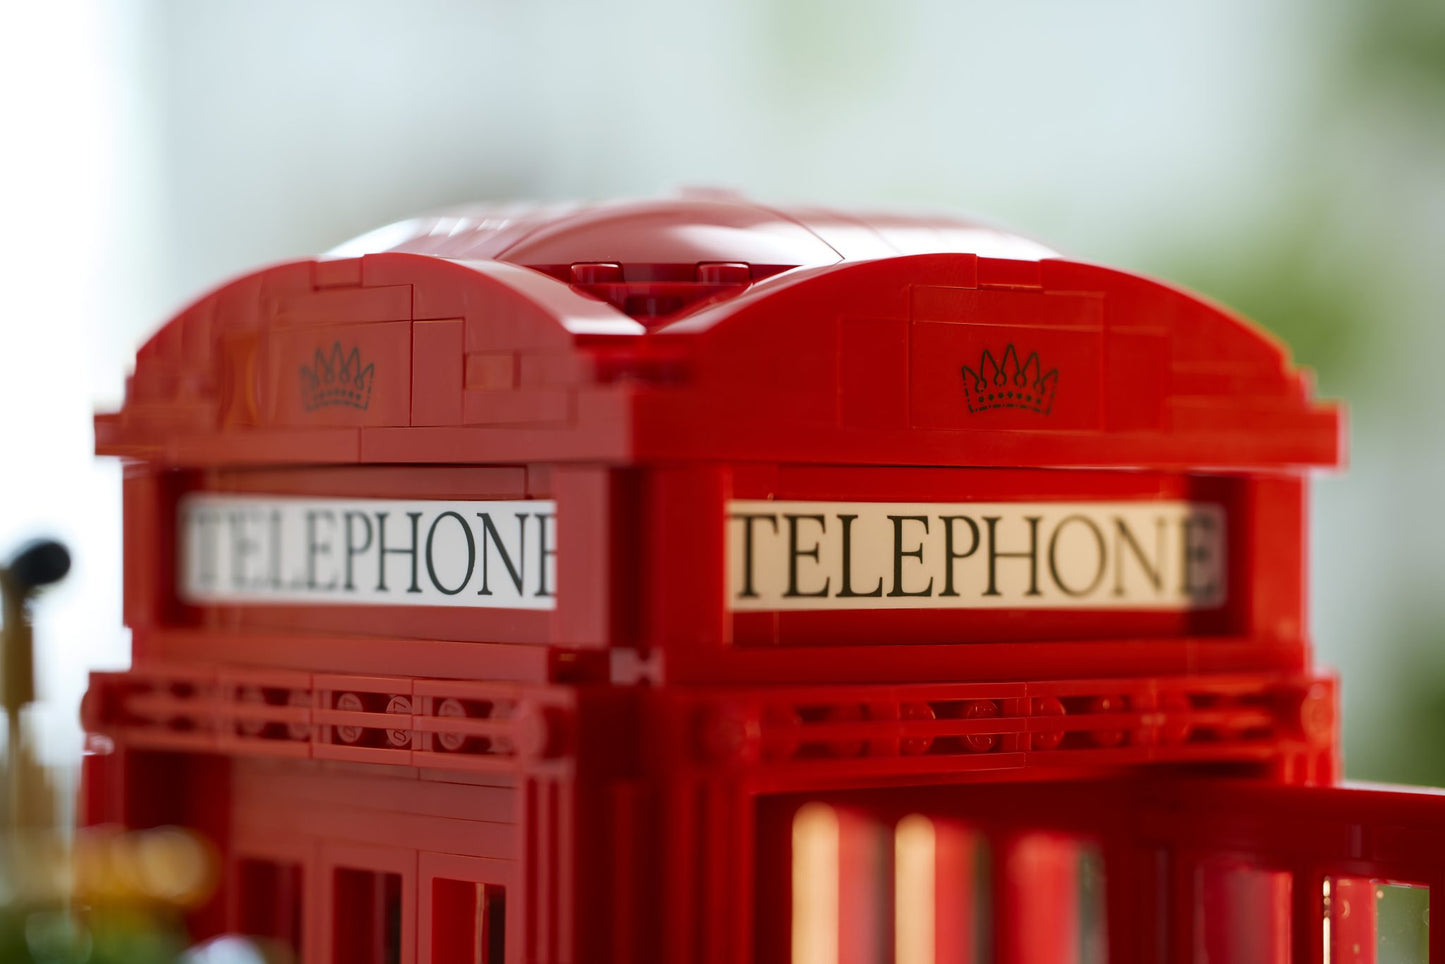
104,896
39,563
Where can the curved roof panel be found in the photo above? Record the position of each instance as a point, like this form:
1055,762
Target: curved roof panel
696,228
711,327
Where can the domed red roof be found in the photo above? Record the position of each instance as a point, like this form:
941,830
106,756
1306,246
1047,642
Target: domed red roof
699,227
712,327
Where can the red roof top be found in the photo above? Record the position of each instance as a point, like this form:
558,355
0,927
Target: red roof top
699,227
711,327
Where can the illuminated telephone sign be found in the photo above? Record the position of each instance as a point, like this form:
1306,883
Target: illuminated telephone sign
1161,556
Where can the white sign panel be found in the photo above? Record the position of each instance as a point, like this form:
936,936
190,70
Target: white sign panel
281,549
999,555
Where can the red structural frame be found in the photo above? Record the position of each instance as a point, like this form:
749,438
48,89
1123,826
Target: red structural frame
627,777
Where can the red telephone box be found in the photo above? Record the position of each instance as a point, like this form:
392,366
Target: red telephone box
700,581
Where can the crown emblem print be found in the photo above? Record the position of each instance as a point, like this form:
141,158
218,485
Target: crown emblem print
336,379
1007,384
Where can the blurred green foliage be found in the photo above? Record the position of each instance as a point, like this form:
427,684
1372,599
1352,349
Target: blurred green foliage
116,936
1340,259
1399,46
1316,269
1286,278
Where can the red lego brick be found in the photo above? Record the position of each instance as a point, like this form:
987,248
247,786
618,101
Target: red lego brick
785,570
340,374
342,306
255,645
491,371
517,407
336,273
437,367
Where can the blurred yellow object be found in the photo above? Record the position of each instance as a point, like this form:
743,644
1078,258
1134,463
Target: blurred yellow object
165,865
98,895
33,847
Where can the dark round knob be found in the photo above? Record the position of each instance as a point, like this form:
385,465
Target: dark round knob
39,563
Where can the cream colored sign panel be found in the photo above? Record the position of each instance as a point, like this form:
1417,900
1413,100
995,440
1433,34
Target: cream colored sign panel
367,552
975,555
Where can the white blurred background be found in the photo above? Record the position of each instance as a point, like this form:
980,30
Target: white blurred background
1285,157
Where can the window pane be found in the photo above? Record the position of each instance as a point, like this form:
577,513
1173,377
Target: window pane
269,901
366,918
1376,921
469,922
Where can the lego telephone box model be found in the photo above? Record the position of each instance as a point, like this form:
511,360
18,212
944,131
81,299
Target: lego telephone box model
698,581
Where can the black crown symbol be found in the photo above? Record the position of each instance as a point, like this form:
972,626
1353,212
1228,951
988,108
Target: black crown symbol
336,380
1007,384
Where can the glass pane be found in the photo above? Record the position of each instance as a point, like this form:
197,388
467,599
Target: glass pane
366,917
468,923
269,902
1402,923
1376,921
1093,912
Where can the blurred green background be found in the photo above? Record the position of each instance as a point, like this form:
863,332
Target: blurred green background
1286,158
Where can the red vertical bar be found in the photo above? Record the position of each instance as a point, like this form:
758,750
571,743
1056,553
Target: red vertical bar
1307,924
1244,913
437,358
955,913
1144,890
680,868
586,567
1352,920
1036,900
1182,903
726,874
773,885
865,889
1276,540
146,550
101,795
534,877
1437,933
686,597
317,908
740,811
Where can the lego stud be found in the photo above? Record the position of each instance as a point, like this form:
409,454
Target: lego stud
916,745
1173,728
156,701
724,272
251,726
980,710
729,735
299,699
847,713
398,738
93,710
1316,717
540,731
596,273
451,709
1107,704
349,703
781,724
1050,739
